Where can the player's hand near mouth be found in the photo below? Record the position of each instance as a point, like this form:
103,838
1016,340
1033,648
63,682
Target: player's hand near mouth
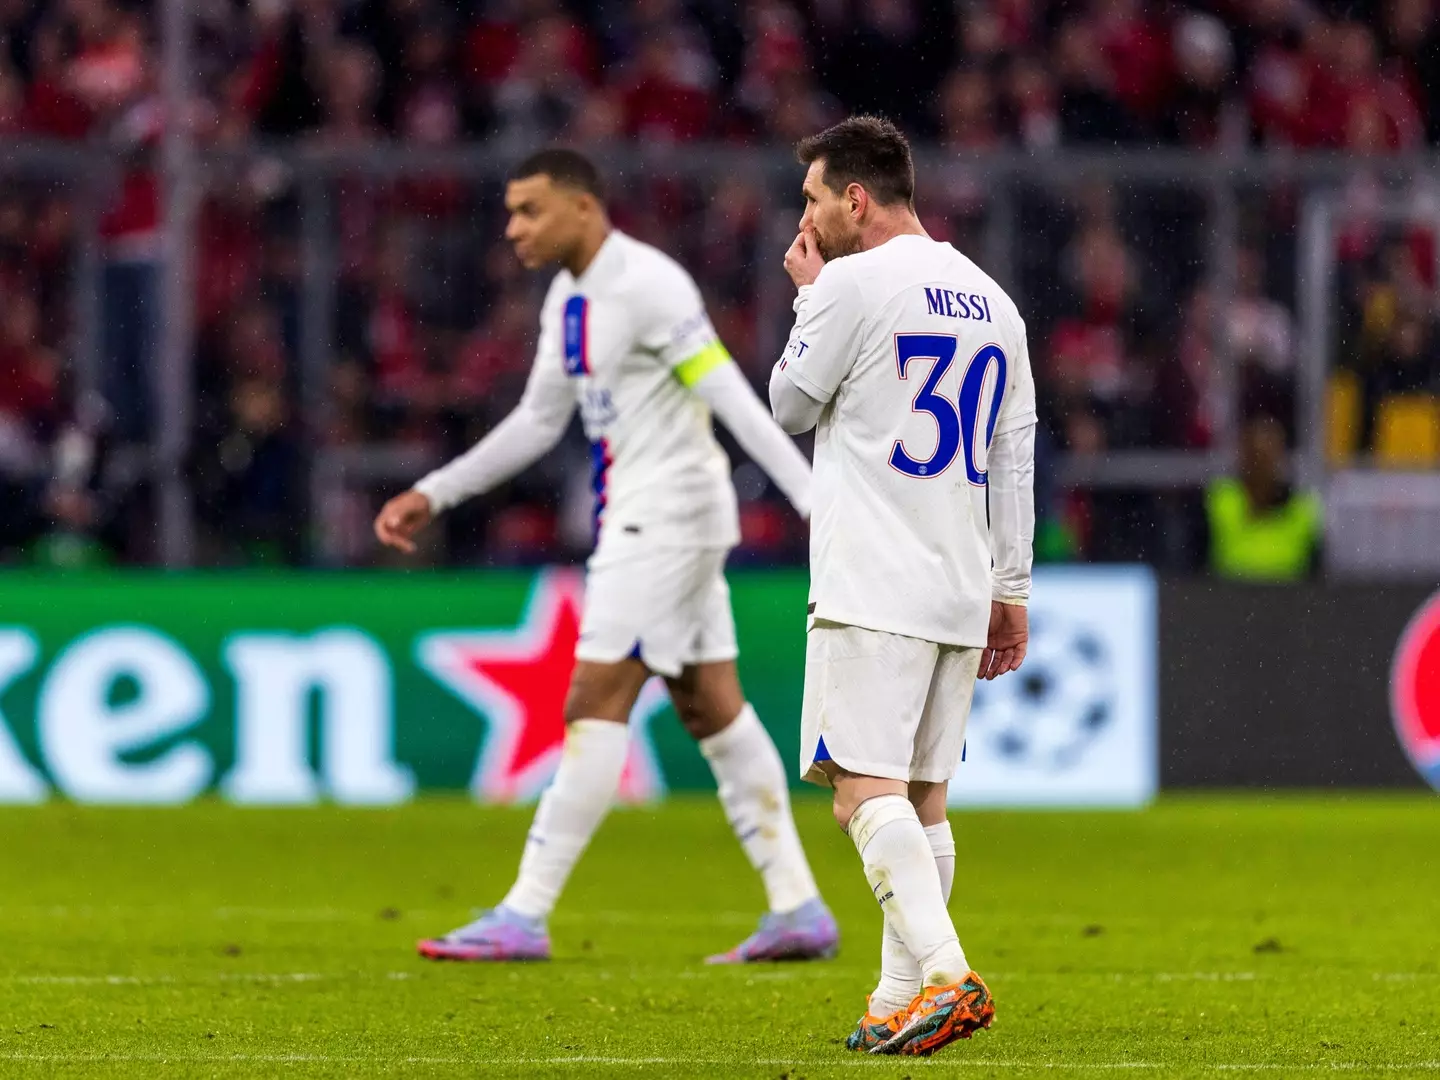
803,260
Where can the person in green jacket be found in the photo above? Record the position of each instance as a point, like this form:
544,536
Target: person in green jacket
1260,528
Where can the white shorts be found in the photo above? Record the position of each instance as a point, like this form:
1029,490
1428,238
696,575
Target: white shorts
881,704
667,606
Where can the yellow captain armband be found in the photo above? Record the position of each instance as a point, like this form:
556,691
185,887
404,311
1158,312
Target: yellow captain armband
691,371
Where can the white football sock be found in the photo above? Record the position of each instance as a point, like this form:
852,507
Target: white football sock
752,788
905,878
570,811
899,973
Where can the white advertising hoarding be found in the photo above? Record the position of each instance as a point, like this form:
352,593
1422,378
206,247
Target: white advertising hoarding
1077,725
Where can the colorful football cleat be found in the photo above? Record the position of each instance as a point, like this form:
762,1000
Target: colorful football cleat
807,933
498,935
940,1015
873,1030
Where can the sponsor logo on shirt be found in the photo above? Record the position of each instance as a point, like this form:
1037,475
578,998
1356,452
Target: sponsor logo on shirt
693,325
597,411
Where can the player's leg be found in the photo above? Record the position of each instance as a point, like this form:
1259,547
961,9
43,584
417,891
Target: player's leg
865,693
877,814
751,783
749,775
900,975
954,1009
597,740
930,800
604,685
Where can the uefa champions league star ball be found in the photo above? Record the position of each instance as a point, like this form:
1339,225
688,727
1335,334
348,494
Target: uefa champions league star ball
1045,715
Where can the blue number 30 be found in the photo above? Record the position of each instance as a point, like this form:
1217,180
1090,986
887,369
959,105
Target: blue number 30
956,422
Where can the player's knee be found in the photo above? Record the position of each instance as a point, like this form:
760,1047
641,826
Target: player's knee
600,693
930,800
707,698
843,807
701,719
576,700
694,720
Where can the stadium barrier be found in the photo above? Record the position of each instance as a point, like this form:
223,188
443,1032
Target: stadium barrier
1185,218
1292,686
365,689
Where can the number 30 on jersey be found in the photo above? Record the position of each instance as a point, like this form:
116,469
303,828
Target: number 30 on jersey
957,422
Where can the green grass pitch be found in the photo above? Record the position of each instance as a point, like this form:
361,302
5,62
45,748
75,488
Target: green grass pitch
1208,936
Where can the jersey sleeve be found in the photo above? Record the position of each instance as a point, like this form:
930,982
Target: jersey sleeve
1017,409
549,395
678,330
826,337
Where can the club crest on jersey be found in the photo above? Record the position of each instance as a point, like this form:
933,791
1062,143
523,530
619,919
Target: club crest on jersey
1415,691
577,336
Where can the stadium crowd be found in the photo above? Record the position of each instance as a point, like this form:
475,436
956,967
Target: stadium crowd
434,322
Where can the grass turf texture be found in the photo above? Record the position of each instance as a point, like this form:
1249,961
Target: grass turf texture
1208,935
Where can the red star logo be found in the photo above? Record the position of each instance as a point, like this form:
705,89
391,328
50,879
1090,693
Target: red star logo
517,679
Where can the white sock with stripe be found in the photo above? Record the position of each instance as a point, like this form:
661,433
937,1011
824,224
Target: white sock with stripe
570,811
899,973
903,875
752,787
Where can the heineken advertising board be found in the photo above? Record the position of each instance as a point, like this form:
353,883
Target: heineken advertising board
369,688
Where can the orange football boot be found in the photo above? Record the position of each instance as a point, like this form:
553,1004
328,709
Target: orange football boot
940,1015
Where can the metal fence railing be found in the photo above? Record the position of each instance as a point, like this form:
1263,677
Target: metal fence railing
348,316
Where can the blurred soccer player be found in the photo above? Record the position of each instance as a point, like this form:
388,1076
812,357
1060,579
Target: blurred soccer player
914,366
624,335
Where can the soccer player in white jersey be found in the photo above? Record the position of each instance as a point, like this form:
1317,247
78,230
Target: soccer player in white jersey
911,363
625,337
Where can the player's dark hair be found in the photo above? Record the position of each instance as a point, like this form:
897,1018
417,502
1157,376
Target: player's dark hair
865,150
562,166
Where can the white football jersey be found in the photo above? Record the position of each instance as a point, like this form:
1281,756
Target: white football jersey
921,359
626,340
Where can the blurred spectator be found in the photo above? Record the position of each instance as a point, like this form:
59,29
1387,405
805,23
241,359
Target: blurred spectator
1201,112
1135,43
1089,109
1260,529
966,108
246,469
1261,342
1118,72
1032,100
434,324
1115,72
668,92
29,390
545,87
248,480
